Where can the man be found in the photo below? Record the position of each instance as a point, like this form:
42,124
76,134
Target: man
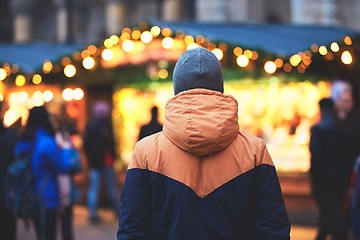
201,178
152,127
100,153
331,164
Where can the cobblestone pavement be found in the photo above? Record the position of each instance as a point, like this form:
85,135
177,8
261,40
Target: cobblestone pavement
106,229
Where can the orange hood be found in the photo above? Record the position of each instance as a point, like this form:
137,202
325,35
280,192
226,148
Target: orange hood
201,121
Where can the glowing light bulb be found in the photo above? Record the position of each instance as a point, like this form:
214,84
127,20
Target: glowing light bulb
346,57
107,54
70,70
270,67
242,61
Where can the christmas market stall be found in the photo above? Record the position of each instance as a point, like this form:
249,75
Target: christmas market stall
277,73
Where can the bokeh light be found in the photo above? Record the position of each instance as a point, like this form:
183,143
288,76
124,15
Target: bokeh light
70,71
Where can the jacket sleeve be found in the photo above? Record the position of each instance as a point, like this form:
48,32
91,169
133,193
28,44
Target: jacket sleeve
136,204
271,220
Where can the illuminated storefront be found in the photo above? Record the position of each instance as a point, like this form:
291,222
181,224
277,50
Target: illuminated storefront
280,114
268,76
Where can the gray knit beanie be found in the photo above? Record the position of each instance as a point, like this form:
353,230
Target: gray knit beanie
198,68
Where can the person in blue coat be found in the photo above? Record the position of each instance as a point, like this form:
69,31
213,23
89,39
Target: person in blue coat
47,161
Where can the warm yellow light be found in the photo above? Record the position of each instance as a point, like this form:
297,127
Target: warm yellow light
334,47
347,40
47,67
1,97
107,43
189,39
242,61
128,46
92,49
307,60
218,53
2,74
238,51
125,36
88,63
163,73
323,50
146,37
248,53
155,31
136,34
346,57
107,54
20,80
114,39
279,63
36,79
295,60
85,53
270,67
192,46
68,94
166,32
70,70
168,43
48,96
37,99
78,93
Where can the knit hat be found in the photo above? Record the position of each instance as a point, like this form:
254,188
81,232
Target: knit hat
198,68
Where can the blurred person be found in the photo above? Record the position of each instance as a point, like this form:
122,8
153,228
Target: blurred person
152,127
201,177
99,149
331,164
8,138
67,189
341,94
349,118
47,162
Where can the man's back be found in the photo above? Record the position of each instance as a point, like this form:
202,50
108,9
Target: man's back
222,186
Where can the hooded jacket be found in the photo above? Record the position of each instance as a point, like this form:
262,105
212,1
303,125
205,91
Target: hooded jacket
202,178
47,161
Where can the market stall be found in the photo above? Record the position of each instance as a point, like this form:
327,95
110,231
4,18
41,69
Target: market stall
277,74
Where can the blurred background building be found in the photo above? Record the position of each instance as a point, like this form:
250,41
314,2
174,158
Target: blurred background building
89,21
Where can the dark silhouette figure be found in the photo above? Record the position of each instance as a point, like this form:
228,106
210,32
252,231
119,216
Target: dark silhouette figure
99,148
153,126
8,138
331,164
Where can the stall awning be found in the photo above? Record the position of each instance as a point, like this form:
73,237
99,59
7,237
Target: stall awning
30,57
280,39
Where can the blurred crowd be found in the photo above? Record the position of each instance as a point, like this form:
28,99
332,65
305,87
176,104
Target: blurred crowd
334,148
39,163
